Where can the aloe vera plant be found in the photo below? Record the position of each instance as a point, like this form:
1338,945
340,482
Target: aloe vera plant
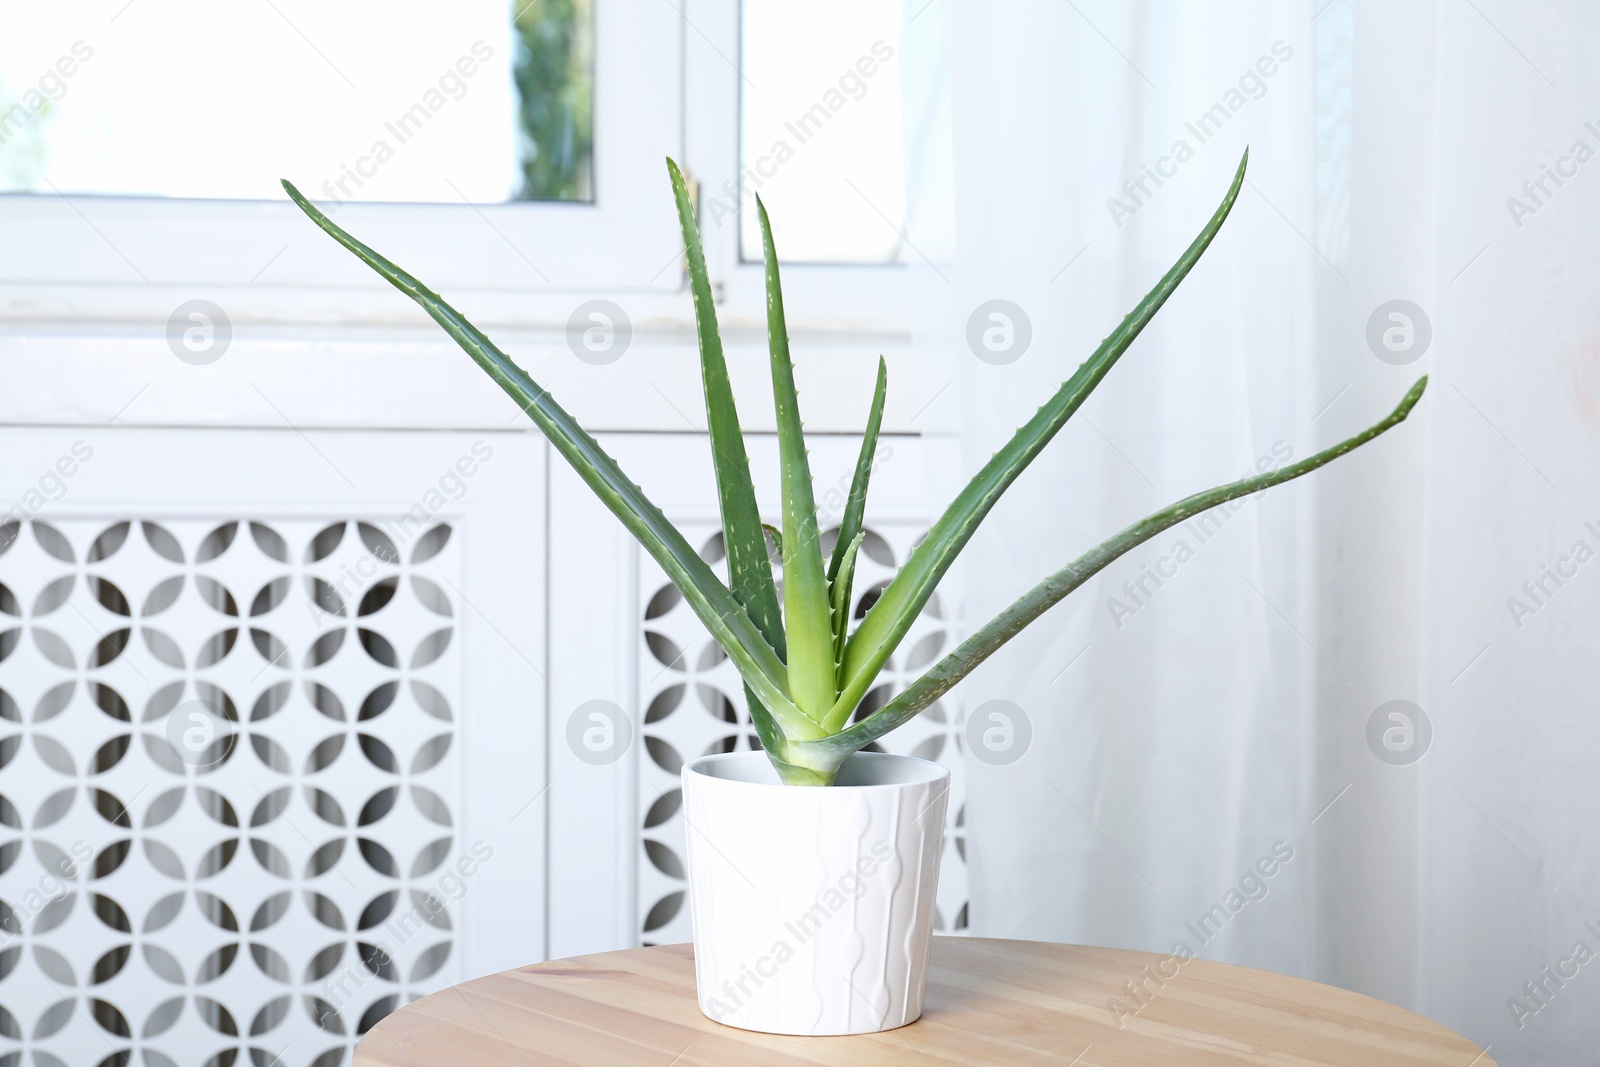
804,671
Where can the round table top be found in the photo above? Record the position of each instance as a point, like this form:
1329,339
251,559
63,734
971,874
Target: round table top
993,1003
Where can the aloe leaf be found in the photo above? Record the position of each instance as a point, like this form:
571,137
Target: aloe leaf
886,624
776,535
767,728
839,597
1006,625
712,602
749,570
807,618
855,507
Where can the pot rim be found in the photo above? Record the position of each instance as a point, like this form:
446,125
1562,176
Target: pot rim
931,773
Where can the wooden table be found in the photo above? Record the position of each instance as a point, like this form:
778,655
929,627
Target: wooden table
993,1003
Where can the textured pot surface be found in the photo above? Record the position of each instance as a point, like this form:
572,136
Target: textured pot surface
813,907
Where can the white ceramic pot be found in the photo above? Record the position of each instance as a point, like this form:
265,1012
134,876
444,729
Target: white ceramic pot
813,906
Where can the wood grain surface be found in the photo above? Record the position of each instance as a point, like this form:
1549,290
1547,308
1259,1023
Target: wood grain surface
994,1003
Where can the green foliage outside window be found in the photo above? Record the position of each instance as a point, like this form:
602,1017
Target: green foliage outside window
554,72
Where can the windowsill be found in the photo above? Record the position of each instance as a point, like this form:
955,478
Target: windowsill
413,377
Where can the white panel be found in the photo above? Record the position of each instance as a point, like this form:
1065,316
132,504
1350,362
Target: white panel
269,734
427,382
593,561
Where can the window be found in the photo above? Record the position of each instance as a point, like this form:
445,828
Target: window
152,155
509,152
200,100
820,130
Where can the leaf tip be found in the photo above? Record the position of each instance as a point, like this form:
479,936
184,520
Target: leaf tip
680,188
299,199
1413,395
766,229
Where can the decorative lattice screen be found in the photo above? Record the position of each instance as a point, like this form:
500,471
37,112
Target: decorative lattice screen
227,782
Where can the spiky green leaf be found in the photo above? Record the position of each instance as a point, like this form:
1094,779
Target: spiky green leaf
806,617
712,602
776,535
749,570
839,597
1006,625
891,617
855,507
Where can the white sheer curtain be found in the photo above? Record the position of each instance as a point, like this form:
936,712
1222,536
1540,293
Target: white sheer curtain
1209,708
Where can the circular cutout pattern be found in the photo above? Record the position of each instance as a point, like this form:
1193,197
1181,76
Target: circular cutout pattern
160,747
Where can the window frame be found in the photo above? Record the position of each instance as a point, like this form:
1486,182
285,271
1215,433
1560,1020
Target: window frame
133,258
849,298
81,350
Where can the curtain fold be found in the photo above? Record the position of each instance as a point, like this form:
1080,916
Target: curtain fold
1204,750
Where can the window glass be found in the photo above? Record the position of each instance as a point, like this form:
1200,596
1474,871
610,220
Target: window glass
399,101
820,132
